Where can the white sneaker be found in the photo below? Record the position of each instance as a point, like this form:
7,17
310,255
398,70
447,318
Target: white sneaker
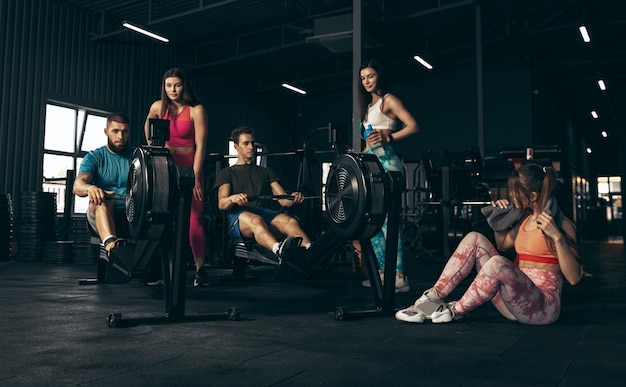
444,313
422,309
402,284
411,314
366,283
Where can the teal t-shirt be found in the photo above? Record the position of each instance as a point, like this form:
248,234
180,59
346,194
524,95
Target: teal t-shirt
109,170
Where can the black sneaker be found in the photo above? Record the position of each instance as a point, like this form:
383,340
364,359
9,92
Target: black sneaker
200,280
286,244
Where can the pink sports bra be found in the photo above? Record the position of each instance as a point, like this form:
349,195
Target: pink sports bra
182,131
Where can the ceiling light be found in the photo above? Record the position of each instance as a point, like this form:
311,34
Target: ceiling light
143,31
588,150
584,34
605,134
602,85
293,88
423,62
594,114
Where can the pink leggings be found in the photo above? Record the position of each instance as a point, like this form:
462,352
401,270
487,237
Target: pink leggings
530,296
196,227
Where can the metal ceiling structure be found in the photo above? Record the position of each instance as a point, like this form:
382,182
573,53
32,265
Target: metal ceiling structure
309,41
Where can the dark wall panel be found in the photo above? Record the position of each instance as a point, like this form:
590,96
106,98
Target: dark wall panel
46,54
445,108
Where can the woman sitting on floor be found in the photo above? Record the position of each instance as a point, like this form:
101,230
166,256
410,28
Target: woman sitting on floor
527,290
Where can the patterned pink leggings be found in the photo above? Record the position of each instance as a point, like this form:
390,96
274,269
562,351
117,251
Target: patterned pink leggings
530,296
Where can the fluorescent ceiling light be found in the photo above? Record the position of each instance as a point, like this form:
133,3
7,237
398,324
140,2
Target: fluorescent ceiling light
145,32
584,34
423,62
605,134
293,88
588,150
602,85
594,114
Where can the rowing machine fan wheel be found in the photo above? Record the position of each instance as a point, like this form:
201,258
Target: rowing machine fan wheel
357,192
150,193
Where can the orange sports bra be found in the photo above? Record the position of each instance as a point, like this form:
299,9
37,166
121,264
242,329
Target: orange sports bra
531,246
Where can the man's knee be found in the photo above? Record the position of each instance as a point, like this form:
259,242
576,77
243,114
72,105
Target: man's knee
286,224
293,224
250,221
104,208
102,213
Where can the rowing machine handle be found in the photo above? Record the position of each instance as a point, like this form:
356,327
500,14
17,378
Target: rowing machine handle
115,197
270,197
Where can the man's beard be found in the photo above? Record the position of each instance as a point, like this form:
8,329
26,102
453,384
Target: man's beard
117,149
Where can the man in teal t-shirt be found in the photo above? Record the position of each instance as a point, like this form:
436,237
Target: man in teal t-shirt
105,171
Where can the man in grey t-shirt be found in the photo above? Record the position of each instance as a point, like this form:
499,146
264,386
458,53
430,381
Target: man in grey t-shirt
246,219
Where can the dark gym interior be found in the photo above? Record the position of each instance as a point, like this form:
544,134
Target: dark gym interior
512,81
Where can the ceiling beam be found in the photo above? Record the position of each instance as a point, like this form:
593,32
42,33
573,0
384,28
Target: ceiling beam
199,8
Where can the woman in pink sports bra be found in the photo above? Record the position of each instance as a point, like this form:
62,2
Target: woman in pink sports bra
188,133
527,290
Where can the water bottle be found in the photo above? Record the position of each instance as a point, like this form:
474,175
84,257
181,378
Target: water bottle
377,148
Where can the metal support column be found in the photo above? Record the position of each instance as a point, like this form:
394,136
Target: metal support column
356,63
479,83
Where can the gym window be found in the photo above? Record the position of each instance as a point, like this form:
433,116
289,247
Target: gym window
70,132
610,192
261,159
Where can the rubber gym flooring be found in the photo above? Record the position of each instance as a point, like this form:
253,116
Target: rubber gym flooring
54,332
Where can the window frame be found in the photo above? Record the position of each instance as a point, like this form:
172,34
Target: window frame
58,183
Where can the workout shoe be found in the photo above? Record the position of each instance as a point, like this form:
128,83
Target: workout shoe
411,314
402,284
366,283
422,309
115,242
445,313
200,280
286,244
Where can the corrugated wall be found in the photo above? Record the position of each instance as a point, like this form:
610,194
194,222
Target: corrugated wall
46,55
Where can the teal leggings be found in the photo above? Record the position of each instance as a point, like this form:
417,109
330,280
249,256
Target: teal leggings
390,162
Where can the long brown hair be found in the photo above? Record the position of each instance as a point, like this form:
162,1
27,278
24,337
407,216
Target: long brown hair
365,98
188,97
530,178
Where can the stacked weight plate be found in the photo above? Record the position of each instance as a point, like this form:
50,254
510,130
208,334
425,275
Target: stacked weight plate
83,252
58,252
6,226
36,224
